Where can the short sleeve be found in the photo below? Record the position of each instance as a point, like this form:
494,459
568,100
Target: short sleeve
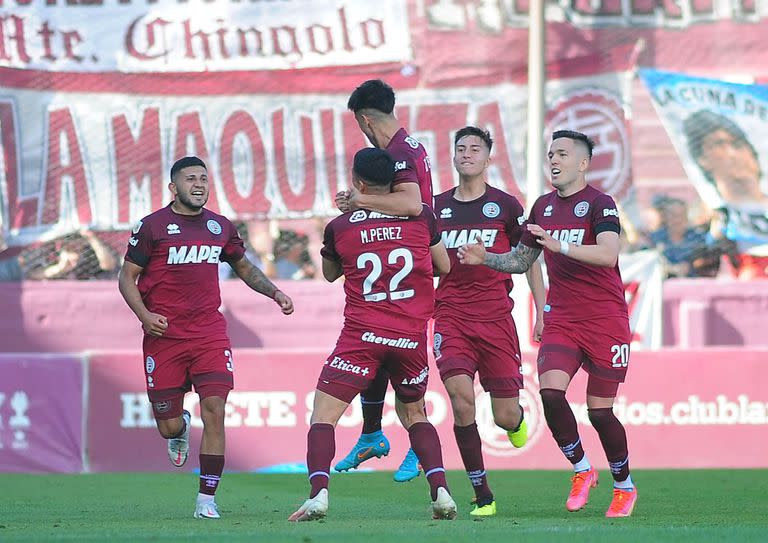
140,244
527,238
605,215
514,223
235,248
405,172
434,231
328,251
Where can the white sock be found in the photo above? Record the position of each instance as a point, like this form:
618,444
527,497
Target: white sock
204,498
582,465
625,484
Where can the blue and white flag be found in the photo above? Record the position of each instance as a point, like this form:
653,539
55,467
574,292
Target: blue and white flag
720,130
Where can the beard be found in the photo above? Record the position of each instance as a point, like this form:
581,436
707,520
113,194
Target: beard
187,201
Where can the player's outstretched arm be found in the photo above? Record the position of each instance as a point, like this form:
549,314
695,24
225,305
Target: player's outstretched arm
535,278
153,323
441,262
256,280
518,260
605,253
404,200
332,270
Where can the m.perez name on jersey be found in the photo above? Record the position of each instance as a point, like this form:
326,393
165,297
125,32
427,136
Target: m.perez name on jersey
381,233
194,254
453,239
571,235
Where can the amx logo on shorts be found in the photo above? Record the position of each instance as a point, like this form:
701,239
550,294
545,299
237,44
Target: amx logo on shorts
571,235
194,254
400,343
456,238
344,365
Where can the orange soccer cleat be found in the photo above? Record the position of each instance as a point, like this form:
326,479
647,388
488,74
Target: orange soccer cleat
582,483
622,504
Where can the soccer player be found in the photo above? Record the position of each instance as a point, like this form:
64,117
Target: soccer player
586,321
474,329
388,265
174,254
373,104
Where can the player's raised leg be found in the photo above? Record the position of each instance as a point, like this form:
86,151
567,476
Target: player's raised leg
372,442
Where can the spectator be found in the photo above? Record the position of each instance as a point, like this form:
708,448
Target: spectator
80,255
258,248
687,250
292,260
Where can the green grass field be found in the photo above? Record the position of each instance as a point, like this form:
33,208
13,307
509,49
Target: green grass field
682,505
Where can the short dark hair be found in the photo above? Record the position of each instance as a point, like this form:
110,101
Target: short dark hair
474,131
374,166
576,136
704,122
373,94
186,162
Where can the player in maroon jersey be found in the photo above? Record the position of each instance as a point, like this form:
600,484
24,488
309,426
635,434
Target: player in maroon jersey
373,104
586,321
474,329
174,254
388,264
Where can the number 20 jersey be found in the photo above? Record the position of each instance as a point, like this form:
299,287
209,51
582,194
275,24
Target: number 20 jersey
387,267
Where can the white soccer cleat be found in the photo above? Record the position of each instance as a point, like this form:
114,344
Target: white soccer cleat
443,508
178,447
313,509
207,509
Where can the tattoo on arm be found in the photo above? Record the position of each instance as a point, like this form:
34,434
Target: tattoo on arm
255,278
518,260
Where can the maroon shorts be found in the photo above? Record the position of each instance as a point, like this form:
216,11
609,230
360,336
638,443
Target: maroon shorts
490,349
601,346
172,366
360,352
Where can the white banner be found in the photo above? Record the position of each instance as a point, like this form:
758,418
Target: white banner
199,35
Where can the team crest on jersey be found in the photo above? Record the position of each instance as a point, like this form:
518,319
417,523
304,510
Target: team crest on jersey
214,227
358,216
581,208
173,229
548,211
446,213
137,227
150,364
491,210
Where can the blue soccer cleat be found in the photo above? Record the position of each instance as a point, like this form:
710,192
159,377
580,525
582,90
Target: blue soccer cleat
368,446
409,469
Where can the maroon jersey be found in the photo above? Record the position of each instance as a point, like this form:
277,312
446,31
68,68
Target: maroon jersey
411,163
387,267
578,291
476,292
180,255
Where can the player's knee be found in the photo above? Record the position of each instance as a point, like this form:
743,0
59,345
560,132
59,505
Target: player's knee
599,417
212,409
551,396
169,428
411,412
508,419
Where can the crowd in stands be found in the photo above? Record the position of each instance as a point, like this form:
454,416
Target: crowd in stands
690,243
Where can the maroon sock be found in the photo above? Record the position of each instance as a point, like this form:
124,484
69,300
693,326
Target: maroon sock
426,444
321,446
562,423
211,466
373,402
614,440
470,448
